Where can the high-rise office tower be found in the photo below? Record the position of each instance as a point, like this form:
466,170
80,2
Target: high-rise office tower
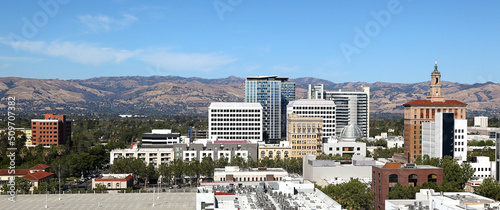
273,93
417,112
353,106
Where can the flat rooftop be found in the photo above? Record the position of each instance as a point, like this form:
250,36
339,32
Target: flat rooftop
102,201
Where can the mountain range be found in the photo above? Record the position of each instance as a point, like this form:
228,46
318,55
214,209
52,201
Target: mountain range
171,95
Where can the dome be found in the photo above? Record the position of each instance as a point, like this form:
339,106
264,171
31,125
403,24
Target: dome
351,133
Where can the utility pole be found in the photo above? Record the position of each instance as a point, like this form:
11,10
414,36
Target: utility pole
59,181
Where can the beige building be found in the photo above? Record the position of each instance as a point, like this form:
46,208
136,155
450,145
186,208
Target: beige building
26,131
304,135
274,151
150,155
113,181
235,174
417,112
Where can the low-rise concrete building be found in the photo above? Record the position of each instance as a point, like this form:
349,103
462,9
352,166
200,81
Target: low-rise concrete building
160,138
216,150
345,148
428,199
483,166
156,156
113,182
274,151
325,172
236,174
286,194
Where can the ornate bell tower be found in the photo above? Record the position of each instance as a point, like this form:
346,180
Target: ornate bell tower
435,94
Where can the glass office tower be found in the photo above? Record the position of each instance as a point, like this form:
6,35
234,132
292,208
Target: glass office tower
273,93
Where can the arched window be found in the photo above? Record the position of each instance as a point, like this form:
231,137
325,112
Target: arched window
432,178
263,153
278,154
286,154
412,180
270,154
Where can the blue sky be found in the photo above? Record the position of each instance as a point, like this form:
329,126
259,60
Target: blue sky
341,41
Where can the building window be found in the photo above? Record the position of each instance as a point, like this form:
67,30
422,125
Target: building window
412,180
393,180
432,178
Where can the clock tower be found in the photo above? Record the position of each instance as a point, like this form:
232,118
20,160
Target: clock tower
435,94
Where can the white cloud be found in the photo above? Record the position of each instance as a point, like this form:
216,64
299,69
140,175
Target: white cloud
99,23
20,59
187,61
78,52
286,68
92,54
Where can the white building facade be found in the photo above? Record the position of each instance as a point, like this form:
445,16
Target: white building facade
235,121
155,156
481,121
316,108
445,136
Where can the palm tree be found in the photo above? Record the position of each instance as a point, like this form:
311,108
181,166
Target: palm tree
23,153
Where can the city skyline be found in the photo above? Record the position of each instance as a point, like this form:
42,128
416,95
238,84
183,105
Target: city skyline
386,41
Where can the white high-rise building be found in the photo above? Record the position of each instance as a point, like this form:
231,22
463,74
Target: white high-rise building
316,108
481,121
235,121
353,106
445,136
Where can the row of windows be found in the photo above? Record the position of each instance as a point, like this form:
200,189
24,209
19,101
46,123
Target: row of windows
307,142
45,128
235,115
459,136
235,124
304,153
45,123
459,130
239,119
303,147
459,149
34,132
313,108
236,110
247,179
459,143
483,169
296,136
235,133
327,114
235,129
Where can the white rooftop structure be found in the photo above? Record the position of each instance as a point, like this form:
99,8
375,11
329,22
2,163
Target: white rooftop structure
428,199
234,105
287,194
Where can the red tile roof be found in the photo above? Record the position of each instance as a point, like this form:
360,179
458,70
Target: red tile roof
114,180
392,165
17,172
38,175
40,166
428,102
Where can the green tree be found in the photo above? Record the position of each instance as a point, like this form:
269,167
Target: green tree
402,192
351,195
178,170
207,167
489,188
166,172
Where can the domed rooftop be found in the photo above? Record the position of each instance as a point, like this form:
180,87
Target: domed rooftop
351,133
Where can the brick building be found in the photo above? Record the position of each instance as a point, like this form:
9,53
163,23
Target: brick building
417,112
54,129
387,176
